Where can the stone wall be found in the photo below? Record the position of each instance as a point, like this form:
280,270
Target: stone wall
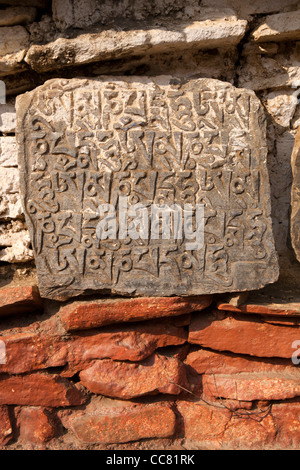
111,372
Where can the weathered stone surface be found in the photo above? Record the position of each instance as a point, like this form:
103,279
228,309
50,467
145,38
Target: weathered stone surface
281,104
157,374
255,7
13,40
17,15
71,12
39,390
10,208
81,315
35,425
7,117
287,418
10,201
115,44
19,300
280,309
13,47
8,152
280,27
33,350
241,336
260,72
214,362
14,238
250,387
295,197
6,430
112,421
170,138
209,427
9,178
283,308
80,14
27,3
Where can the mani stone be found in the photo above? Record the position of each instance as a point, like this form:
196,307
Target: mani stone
90,144
295,198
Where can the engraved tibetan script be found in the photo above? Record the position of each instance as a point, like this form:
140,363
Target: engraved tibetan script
163,142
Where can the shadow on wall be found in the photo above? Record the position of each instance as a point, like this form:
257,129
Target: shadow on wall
281,141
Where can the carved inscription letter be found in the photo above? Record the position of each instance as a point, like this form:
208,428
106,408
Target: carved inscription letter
100,158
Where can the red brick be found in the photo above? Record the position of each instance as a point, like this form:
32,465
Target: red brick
157,374
203,424
81,315
287,419
36,425
132,342
39,390
112,422
16,300
6,432
240,335
250,387
214,362
30,351
211,427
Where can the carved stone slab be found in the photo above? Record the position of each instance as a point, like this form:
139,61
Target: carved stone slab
295,199
86,143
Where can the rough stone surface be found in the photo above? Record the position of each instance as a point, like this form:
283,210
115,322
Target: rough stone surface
7,117
13,43
263,308
255,7
242,336
115,44
114,421
204,361
17,15
264,71
27,3
245,365
35,425
71,12
280,27
8,152
295,198
14,237
9,178
33,350
10,201
19,300
287,418
157,374
107,12
209,427
39,390
10,208
83,315
211,151
250,387
281,104
5,425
